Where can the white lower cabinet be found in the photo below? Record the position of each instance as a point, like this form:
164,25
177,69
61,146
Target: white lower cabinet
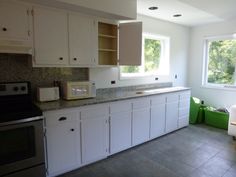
62,142
120,126
172,103
140,121
184,106
158,116
83,135
94,133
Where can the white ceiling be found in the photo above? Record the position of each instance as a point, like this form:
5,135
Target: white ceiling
194,12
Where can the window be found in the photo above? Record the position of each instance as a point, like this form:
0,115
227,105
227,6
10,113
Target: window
155,59
220,61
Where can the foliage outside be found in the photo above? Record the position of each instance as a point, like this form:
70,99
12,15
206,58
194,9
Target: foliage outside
152,52
222,61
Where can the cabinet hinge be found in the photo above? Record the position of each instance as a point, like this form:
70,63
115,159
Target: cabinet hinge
32,12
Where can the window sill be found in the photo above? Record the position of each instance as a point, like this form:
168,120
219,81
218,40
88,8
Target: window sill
226,88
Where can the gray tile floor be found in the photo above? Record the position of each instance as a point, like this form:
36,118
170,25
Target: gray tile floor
195,151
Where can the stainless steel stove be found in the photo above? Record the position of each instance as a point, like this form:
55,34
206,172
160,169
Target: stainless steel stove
21,132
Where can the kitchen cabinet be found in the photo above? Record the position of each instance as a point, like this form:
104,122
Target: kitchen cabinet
140,121
184,106
94,132
172,102
158,116
62,141
120,126
82,40
129,38
15,27
50,36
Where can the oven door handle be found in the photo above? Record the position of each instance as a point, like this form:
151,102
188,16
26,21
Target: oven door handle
62,118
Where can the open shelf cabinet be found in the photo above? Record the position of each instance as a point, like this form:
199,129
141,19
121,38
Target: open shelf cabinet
107,44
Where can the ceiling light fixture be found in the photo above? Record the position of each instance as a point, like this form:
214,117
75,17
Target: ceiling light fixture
153,8
177,15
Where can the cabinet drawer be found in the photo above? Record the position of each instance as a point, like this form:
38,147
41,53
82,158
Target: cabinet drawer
160,99
172,98
184,112
184,103
183,122
94,111
141,103
184,95
120,106
59,117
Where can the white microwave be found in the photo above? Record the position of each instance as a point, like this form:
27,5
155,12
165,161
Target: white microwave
72,90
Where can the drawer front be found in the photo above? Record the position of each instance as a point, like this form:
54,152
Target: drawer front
120,106
185,95
141,103
59,117
155,100
183,112
94,111
183,122
184,103
172,98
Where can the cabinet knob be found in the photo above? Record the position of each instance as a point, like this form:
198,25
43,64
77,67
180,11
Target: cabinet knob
61,58
4,29
62,118
74,59
72,129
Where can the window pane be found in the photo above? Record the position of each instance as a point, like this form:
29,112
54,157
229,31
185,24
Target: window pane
152,55
130,69
222,60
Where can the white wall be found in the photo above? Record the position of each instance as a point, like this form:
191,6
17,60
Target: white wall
179,47
214,97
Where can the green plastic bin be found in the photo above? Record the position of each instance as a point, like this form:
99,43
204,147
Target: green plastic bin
196,111
216,119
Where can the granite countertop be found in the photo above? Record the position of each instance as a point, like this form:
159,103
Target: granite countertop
106,97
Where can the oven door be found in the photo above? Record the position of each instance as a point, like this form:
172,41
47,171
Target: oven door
22,146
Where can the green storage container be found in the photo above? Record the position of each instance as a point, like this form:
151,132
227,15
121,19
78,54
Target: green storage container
216,119
196,111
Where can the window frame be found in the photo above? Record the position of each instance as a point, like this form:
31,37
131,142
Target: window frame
205,82
165,54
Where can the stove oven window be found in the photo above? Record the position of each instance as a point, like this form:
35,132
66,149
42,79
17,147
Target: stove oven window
17,144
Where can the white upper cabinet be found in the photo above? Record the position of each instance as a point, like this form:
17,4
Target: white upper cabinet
82,40
15,27
130,43
50,36
128,36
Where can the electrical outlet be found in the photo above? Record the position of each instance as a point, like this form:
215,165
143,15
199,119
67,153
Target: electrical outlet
176,76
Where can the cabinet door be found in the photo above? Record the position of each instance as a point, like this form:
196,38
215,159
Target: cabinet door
50,36
14,21
172,112
63,141
94,133
130,43
120,132
140,126
158,120
81,40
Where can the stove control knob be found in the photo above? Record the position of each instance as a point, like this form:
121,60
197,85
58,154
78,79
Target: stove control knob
15,89
23,88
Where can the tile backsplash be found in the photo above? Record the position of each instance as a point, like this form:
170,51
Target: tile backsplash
18,67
